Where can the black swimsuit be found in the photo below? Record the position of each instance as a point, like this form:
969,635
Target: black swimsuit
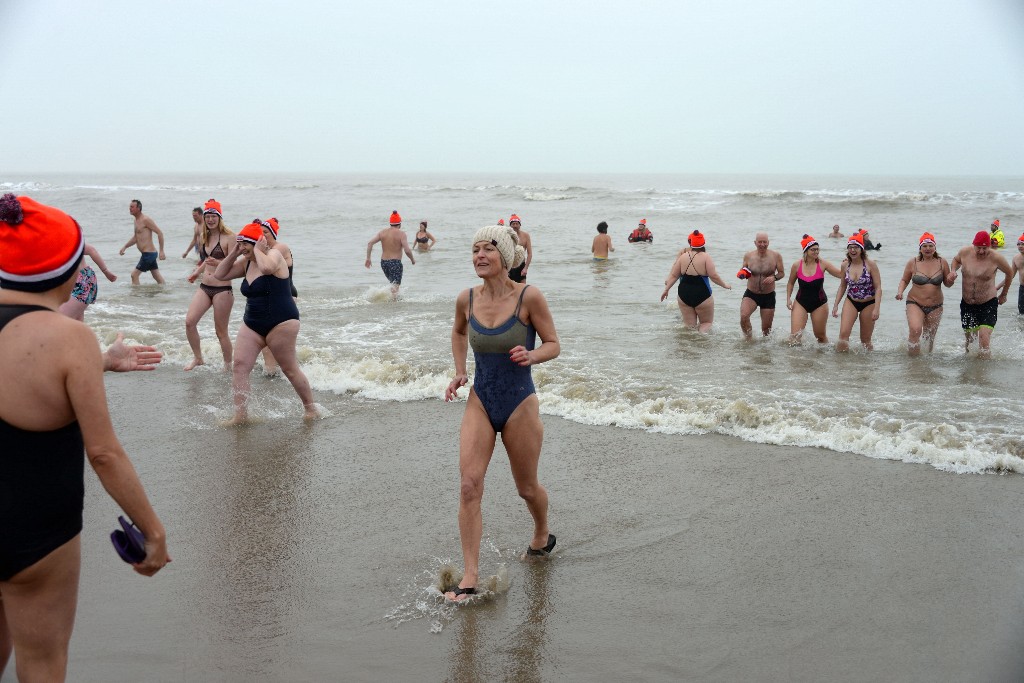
268,303
41,485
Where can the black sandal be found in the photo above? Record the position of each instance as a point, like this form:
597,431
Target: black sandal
542,552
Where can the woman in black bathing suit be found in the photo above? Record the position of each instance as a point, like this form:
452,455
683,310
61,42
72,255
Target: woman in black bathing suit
215,242
695,271
424,240
925,274
808,274
271,318
56,417
271,227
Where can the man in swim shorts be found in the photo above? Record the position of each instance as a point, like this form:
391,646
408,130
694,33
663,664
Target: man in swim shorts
143,239
762,268
393,242
518,274
979,305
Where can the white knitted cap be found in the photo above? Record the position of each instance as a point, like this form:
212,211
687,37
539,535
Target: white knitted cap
504,238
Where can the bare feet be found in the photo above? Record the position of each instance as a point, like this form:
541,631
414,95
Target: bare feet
239,418
196,362
311,413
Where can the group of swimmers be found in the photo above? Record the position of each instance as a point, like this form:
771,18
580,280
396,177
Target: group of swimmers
860,288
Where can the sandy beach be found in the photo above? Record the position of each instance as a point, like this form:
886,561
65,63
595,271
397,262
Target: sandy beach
311,552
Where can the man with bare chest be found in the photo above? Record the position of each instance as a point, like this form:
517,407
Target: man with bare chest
393,242
762,268
979,305
143,238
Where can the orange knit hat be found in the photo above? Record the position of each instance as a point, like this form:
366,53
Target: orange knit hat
514,219
501,221
1020,239
40,246
927,238
251,233
270,224
212,206
807,242
857,240
643,222
696,239
395,218
996,222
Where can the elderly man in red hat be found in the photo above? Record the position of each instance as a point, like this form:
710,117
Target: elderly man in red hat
979,305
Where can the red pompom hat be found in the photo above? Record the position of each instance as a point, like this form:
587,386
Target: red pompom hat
395,218
40,246
212,206
270,224
251,233
696,239
856,240
514,219
807,242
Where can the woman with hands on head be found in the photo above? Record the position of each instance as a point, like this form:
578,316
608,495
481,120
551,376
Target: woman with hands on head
59,410
271,317
500,319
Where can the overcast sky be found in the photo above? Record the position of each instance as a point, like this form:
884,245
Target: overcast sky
691,86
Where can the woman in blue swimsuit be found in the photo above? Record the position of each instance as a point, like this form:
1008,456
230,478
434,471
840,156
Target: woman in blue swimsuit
500,320
56,418
695,271
271,317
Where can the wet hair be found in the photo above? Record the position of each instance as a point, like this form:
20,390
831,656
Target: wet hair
198,209
602,228
137,204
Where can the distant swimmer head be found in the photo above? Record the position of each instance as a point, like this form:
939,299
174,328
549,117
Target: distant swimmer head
982,239
501,221
506,242
395,218
514,219
40,246
696,239
995,224
927,238
212,206
1020,240
602,227
250,234
643,223
807,242
423,225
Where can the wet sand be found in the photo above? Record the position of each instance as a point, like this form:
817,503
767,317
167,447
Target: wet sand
309,553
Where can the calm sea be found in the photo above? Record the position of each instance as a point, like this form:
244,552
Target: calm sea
626,359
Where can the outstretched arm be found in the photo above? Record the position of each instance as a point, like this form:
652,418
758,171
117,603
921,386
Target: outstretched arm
122,358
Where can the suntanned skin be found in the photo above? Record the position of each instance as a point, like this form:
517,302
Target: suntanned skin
393,243
601,245
978,285
145,228
929,264
767,268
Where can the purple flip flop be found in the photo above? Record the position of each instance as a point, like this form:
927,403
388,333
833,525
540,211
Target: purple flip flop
130,544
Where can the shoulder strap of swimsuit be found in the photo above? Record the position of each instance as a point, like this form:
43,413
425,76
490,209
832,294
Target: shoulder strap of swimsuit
520,304
471,301
692,255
